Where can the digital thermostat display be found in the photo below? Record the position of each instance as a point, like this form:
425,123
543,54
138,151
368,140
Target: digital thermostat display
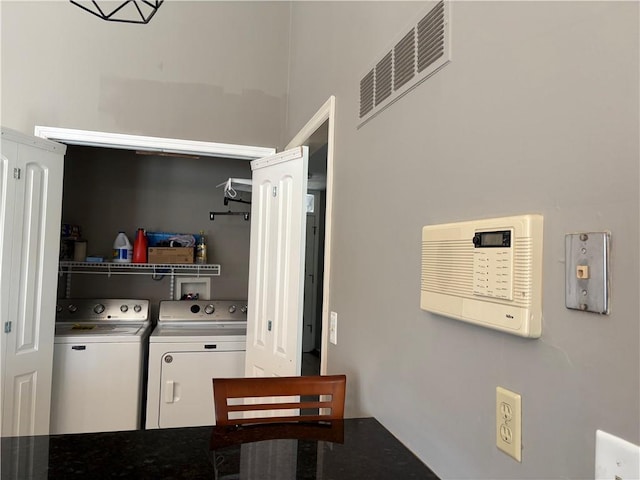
492,239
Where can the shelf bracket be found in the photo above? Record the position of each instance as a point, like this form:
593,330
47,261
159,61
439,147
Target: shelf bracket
172,284
67,292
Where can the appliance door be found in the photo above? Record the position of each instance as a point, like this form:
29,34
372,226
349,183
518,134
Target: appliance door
186,390
96,387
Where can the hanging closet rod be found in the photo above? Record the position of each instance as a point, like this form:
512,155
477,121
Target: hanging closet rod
239,200
246,215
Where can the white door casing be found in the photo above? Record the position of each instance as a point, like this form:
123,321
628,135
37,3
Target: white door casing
276,264
30,214
326,113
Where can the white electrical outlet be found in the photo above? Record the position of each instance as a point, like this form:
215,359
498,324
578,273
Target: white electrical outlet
616,459
333,328
509,422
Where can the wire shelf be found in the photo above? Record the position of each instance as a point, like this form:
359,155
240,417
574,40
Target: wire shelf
155,270
110,268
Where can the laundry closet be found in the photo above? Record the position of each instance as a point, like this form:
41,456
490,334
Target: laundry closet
109,190
112,190
107,311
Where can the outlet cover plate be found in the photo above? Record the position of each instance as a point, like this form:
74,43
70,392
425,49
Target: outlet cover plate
616,459
509,422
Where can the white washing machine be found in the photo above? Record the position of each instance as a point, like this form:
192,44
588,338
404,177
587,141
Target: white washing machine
99,365
193,342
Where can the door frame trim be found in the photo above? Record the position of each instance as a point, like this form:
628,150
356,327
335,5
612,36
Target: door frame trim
325,113
151,144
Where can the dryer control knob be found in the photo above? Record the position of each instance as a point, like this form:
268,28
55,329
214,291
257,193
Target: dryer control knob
73,308
243,309
99,308
124,308
137,308
209,309
58,308
232,309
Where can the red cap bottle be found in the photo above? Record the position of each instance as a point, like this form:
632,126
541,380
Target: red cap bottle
140,247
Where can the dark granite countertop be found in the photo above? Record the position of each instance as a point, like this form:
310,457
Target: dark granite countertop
363,450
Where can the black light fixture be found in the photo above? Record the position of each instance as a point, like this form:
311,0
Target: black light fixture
127,11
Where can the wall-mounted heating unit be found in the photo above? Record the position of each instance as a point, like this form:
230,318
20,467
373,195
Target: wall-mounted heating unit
487,272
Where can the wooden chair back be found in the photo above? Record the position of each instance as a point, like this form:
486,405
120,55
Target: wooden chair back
253,400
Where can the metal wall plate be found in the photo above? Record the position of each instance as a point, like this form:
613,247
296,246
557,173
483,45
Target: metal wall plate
587,271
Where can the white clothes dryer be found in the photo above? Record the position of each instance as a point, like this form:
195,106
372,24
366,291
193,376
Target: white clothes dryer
193,342
99,365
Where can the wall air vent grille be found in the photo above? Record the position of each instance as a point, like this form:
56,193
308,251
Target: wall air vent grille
404,60
431,37
366,94
383,79
415,56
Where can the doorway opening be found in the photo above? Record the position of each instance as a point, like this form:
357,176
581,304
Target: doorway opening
314,260
318,135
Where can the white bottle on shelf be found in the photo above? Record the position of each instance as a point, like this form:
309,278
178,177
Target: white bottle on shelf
122,249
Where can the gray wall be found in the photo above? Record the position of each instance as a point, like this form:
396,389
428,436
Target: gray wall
537,113
213,71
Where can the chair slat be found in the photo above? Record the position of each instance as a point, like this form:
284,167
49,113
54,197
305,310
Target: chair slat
326,386
278,406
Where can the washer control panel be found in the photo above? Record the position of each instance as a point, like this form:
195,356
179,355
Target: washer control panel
203,310
102,309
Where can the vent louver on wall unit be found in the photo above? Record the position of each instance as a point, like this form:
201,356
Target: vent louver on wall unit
419,53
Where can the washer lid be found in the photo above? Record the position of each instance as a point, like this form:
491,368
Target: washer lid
99,332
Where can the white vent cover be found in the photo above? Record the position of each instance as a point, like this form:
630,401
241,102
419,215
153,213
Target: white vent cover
417,55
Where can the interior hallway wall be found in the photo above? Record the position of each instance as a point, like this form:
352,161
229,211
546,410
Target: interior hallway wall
537,113
211,71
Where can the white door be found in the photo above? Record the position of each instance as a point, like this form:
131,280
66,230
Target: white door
30,215
276,264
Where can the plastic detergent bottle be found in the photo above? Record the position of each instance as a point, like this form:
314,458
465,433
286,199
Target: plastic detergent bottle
122,249
140,247
201,249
